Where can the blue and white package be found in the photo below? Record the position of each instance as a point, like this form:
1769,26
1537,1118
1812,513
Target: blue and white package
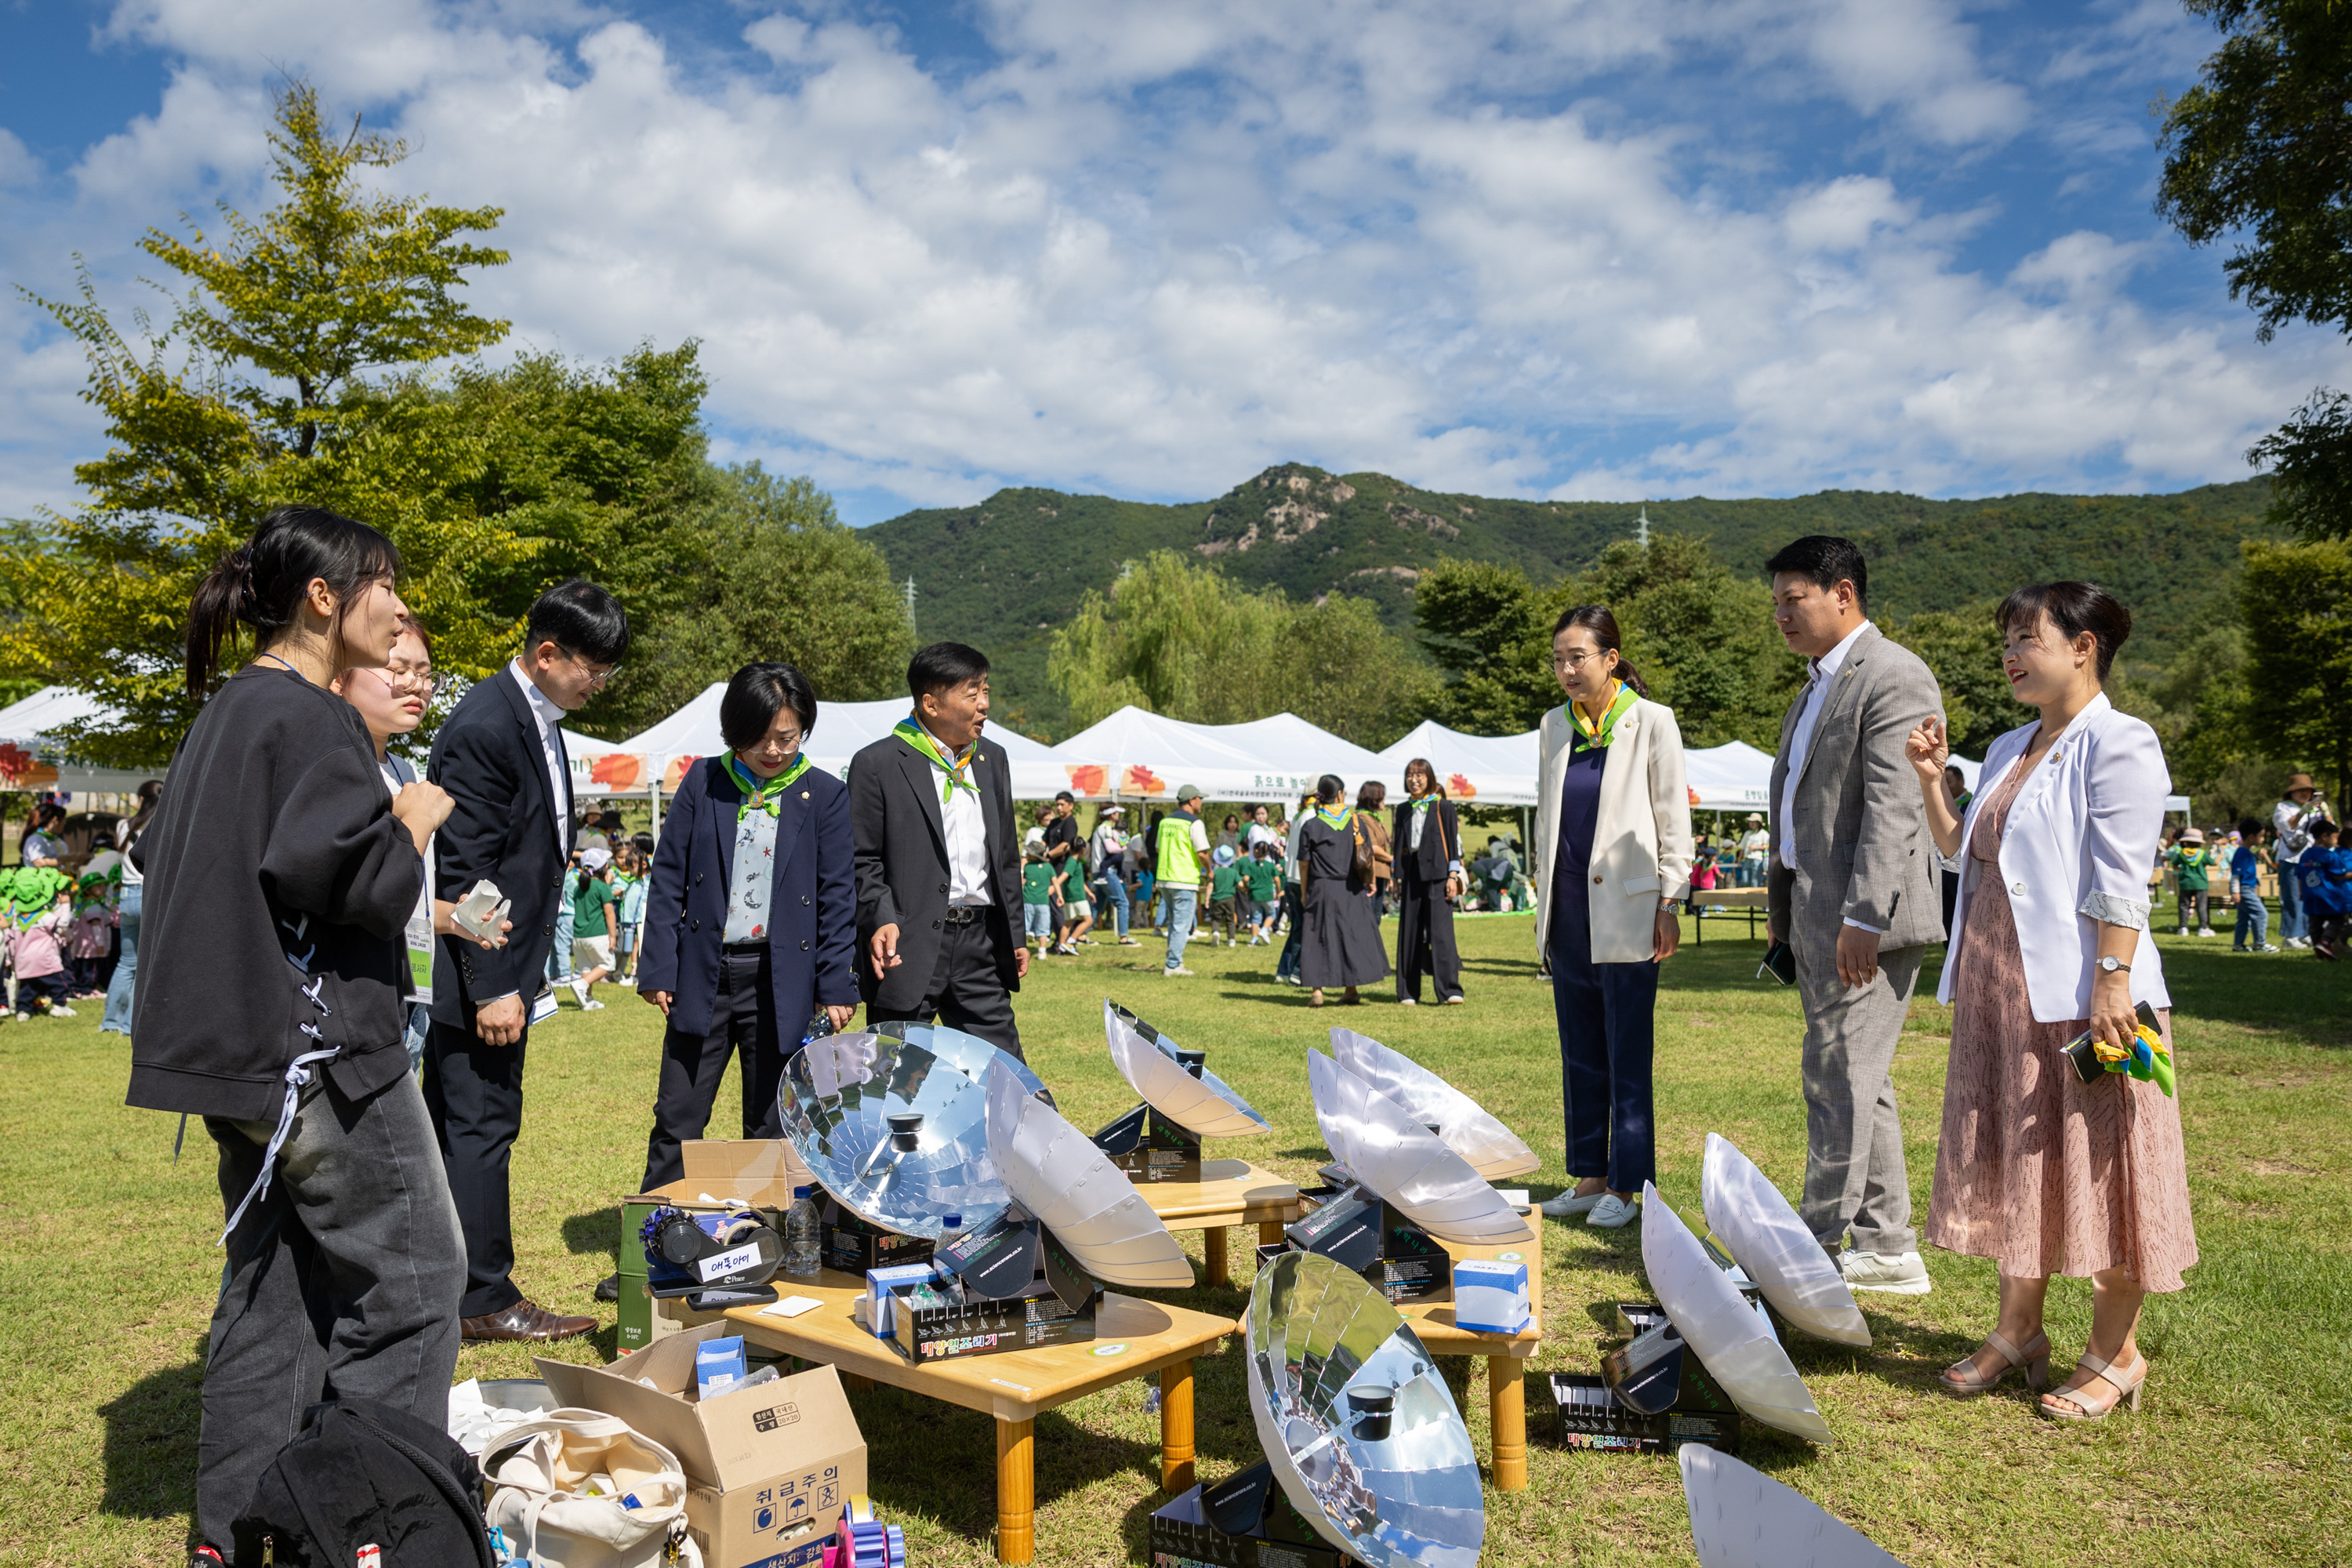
719,1366
1490,1296
884,1287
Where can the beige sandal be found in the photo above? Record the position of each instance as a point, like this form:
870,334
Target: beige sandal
2089,1407
1316,1000
1963,1380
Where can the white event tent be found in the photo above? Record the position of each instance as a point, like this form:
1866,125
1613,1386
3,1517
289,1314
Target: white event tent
29,754
1149,757
1501,770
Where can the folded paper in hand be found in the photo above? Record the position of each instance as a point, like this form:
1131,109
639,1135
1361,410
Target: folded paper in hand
480,911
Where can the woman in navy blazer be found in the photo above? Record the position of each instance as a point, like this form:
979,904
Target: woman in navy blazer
751,916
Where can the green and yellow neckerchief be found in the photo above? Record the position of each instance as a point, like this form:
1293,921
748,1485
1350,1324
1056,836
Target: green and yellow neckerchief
763,796
1337,822
1421,802
1597,736
958,768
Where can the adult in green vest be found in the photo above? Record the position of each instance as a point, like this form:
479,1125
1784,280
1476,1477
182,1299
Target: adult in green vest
1181,871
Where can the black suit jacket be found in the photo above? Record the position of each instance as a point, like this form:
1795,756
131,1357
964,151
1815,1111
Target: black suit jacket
1430,862
811,900
502,825
902,863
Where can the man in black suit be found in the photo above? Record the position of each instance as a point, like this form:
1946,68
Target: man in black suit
938,874
500,757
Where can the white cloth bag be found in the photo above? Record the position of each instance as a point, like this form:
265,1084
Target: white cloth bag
538,1469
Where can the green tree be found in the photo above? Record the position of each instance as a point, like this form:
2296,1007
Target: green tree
1964,648
1351,675
1702,638
1489,629
2297,605
2259,151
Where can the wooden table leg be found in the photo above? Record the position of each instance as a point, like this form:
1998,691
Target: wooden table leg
1506,1405
1269,1233
1213,1247
1176,1427
1017,1492
855,1380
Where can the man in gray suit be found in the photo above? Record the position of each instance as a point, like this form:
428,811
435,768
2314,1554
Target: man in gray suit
1853,891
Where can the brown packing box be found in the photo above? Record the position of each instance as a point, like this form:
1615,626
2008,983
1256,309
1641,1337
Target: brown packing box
767,1468
761,1171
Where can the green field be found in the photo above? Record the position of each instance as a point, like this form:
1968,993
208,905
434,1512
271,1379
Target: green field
2239,1454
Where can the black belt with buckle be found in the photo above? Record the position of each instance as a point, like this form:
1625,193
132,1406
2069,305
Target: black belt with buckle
746,948
964,914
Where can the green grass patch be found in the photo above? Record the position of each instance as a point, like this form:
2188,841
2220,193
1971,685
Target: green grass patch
108,1276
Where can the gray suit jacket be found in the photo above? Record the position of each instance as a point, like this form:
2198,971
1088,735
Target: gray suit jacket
1863,848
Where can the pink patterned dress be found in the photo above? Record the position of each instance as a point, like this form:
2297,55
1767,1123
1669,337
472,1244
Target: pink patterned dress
2038,1172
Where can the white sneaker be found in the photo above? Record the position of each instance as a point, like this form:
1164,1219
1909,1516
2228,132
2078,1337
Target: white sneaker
62,1011
1408,1001
2205,931
1568,1203
1903,1274
1612,1211
2266,947
1172,974
592,1006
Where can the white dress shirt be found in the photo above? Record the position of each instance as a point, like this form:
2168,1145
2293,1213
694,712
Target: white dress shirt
1801,741
967,832
548,716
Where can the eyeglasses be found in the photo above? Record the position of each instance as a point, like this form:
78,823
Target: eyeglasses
595,677
1575,659
421,681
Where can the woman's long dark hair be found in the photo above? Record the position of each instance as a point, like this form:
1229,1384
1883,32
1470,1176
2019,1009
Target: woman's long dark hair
261,583
1328,790
151,794
1596,619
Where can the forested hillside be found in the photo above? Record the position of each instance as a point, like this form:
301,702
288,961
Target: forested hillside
1005,573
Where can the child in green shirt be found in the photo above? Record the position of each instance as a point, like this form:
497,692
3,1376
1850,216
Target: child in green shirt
1262,875
2192,864
1037,896
1225,895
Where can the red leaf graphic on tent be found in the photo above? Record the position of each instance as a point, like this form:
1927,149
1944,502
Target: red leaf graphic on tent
1692,793
1460,788
1142,780
617,770
1087,778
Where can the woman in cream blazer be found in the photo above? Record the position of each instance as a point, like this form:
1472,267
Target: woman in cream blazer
1613,858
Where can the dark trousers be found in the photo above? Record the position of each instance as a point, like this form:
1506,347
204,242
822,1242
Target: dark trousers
1607,1030
1425,938
965,992
342,1283
742,1021
1286,967
1952,880
475,1093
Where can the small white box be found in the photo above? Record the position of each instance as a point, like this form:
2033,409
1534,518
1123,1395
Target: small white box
1490,1296
883,1285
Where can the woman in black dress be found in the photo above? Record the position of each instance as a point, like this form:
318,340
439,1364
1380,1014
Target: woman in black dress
1342,944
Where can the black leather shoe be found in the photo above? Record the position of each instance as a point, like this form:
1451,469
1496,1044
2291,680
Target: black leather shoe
608,1288
525,1320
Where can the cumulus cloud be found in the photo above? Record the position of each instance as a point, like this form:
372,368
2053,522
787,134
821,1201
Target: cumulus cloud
1150,249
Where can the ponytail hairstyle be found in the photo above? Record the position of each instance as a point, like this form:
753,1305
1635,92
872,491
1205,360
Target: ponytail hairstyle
262,582
1596,619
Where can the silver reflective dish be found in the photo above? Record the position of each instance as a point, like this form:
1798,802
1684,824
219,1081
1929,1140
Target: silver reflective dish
1203,1105
1485,1145
1742,1518
1360,1427
1774,1248
968,1054
841,1096
1402,1161
1055,1172
1732,1338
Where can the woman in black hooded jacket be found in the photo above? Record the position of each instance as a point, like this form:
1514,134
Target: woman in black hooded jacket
280,875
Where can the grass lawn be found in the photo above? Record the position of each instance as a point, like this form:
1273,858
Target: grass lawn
108,1276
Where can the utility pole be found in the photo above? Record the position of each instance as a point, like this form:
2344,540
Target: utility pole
910,601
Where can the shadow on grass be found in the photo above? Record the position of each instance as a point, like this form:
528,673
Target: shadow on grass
150,1449
598,1231
2293,998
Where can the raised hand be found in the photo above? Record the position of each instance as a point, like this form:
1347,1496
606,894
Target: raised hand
1929,750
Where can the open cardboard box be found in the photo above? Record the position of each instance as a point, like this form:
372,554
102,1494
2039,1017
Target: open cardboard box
761,1171
767,1468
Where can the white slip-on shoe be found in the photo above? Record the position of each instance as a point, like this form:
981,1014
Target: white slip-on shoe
1612,1211
1899,1274
1568,1203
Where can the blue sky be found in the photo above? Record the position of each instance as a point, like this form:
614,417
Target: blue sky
1542,247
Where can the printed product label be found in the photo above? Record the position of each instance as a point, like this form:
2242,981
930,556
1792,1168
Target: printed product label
732,1261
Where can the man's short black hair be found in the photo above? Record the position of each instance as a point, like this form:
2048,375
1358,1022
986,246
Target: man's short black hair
1825,560
756,695
1066,795
582,618
942,666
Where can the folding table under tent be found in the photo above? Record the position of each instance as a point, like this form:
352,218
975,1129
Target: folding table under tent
1149,757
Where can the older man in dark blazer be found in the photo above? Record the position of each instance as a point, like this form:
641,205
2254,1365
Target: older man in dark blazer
1853,887
939,873
500,757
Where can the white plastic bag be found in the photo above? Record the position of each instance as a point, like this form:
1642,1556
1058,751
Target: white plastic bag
547,1471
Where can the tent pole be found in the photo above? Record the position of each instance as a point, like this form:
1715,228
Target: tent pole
657,800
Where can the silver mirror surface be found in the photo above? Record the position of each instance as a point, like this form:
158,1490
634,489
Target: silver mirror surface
1402,1161
1732,1338
968,1054
1485,1145
1407,1495
1772,1247
1055,1172
836,1099
1206,1106
1742,1518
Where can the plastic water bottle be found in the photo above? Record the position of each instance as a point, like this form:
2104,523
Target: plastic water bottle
802,1257
951,1227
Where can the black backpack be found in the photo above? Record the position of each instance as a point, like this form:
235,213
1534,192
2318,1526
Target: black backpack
366,1486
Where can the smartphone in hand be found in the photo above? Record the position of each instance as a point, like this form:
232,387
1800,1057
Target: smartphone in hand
1780,962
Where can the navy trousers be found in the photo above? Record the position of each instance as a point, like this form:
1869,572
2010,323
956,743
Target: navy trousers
1607,1033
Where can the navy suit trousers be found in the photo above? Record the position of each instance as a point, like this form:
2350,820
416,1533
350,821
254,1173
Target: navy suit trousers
1607,1033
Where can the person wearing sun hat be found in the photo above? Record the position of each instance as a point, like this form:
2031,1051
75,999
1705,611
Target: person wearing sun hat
2192,868
2299,806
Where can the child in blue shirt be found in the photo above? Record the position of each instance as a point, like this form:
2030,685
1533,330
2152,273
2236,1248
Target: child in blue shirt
2246,864
2327,874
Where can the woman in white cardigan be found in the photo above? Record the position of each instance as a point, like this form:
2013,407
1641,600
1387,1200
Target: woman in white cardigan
1613,851
2036,1170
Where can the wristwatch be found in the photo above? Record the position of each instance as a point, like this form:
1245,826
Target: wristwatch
2111,965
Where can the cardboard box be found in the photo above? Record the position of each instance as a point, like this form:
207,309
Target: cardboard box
767,1468
1358,1231
1589,1418
851,1246
1242,1522
1491,1297
1148,1147
761,1171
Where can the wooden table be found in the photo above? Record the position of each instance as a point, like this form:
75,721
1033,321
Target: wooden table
1013,1386
1737,903
1506,1354
1230,1192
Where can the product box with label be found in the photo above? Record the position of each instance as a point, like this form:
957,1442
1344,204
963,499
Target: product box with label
767,1466
1491,1297
1148,1147
1591,1417
1359,1231
1242,1522
761,1171
851,1246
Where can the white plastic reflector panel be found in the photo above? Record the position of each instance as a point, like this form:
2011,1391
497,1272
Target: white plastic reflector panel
1732,1338
1772,1247
1403,1162
1206,1106
1742,1518
1055,1172
1488,1146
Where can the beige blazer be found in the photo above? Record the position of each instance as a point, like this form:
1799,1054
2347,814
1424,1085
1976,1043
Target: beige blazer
1643,839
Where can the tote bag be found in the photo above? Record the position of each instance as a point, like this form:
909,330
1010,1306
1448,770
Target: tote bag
540,1470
